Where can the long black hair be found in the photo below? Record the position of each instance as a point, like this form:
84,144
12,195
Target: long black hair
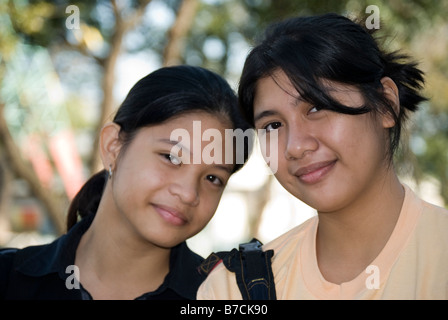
333,47
159,96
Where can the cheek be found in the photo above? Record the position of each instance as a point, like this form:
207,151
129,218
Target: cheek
351,134
123,181
359,144
134,183
343,139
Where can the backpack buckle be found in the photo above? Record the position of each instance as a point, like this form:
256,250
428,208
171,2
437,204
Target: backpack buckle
253,245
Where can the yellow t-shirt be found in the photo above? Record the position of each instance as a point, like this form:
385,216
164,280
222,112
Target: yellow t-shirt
412,265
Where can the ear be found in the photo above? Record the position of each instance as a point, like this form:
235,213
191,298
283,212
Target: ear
390,91
110,144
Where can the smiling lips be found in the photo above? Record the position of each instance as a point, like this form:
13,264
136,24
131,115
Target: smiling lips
171,215
314,173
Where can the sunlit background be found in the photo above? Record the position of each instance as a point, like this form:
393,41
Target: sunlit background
65,66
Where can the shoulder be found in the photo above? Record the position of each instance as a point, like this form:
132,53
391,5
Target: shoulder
434,222
430,215
31,260
10,257
437,212
429,223
8,253
289,241
19,258
7,256
220,284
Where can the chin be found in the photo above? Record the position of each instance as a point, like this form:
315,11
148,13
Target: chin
326,205
167,244
162,238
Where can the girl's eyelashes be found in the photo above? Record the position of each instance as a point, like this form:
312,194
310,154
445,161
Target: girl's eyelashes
272,126
314,109
172,158
177,162
215,180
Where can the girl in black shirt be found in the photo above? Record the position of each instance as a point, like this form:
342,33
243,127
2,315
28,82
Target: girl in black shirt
161,185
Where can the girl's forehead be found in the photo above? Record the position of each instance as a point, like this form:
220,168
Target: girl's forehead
191,125
188,118
279,79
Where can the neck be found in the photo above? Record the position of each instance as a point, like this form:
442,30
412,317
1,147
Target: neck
350,239
119,264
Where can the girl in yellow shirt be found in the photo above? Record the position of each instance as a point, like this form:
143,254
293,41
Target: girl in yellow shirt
336,104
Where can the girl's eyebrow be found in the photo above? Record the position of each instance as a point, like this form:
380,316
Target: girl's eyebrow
267,113
175,143
264,114
225,168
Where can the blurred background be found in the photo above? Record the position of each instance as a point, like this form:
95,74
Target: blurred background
65,66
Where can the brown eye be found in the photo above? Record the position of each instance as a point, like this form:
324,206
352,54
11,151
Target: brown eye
314,109
173,159
214,179
272,126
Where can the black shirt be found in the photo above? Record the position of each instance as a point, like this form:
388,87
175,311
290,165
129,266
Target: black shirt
47,272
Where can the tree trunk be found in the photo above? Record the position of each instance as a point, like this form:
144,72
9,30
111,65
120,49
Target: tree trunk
108,104
178,32
24,171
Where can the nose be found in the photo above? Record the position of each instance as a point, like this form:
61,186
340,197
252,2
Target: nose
186,189
299,143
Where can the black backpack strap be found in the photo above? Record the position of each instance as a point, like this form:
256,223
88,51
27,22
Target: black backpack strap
212,260
252,268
